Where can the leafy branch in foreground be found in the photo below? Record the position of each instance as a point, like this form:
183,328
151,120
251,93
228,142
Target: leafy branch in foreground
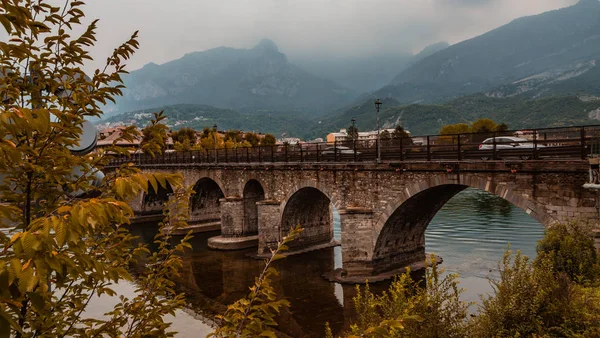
68,243
254,315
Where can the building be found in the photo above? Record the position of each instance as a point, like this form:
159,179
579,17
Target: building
342,135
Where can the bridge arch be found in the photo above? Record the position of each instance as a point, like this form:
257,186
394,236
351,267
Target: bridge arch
253,193
204,203
310,208
154,201
400,230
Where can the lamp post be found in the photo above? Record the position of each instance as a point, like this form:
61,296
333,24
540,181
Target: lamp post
378,104
215,139
353,129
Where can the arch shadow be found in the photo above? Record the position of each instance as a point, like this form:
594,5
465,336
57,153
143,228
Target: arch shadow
401,233
204,203
253,193
312,210
154,201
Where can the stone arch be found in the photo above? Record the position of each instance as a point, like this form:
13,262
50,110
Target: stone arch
400,230
154,201
253,192
312,184
204,203
310,208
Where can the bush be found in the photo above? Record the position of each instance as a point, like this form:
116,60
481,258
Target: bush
536,300
571,249
408,310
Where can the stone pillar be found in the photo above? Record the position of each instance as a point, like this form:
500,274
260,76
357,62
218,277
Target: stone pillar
232,227
358,241
232,217
269,218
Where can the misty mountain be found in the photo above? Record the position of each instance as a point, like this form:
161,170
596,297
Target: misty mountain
367,73
198,117
532,56
427,119
260,78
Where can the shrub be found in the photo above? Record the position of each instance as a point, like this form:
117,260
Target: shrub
408,310
571,249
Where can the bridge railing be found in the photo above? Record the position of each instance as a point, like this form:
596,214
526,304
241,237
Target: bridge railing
532,144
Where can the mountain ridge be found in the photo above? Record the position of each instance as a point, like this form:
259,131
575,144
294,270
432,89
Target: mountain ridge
245,79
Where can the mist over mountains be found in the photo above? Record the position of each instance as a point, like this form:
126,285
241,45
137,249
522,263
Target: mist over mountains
254,79
531,57
512,68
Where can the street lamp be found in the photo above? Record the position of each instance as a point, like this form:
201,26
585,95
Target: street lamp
378,104
215,139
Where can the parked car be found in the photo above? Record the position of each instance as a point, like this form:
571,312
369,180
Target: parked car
507,142
345,152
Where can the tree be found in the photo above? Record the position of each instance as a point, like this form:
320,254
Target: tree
453,129
208,142
268,140
352,133
385,135
252,138
67,246
234,135
571,249
483,126
401,134
154,136
184,138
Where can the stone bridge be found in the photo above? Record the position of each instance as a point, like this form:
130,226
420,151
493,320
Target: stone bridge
384,208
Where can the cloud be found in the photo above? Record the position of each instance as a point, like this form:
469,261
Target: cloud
301,28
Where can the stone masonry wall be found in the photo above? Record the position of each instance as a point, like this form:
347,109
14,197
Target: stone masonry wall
547,191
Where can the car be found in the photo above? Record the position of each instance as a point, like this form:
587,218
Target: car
507,142
339,149
342,152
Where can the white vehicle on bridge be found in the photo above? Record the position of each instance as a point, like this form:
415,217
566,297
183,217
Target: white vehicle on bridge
505,143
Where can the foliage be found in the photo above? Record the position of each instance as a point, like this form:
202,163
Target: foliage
154,136
254,315
482,125
252,138
534,300
208,139
352,133
234,136
453,129
408,310
399,132
66,246
268,140
385,135
570,247
184,139
198,117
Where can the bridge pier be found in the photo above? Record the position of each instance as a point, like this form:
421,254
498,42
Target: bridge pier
358,241
233,235
269,218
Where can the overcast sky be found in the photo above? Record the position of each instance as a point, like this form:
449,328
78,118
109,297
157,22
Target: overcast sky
301,28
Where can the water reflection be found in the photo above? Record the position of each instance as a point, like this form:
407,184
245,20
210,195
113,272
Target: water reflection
470,233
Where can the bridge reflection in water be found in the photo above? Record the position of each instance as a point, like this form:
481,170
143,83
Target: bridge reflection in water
470,232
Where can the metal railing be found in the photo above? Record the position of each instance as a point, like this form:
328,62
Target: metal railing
535,144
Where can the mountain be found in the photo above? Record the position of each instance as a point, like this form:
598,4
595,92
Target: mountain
533,56
244,79
431,49
363,74
423,119
199,117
